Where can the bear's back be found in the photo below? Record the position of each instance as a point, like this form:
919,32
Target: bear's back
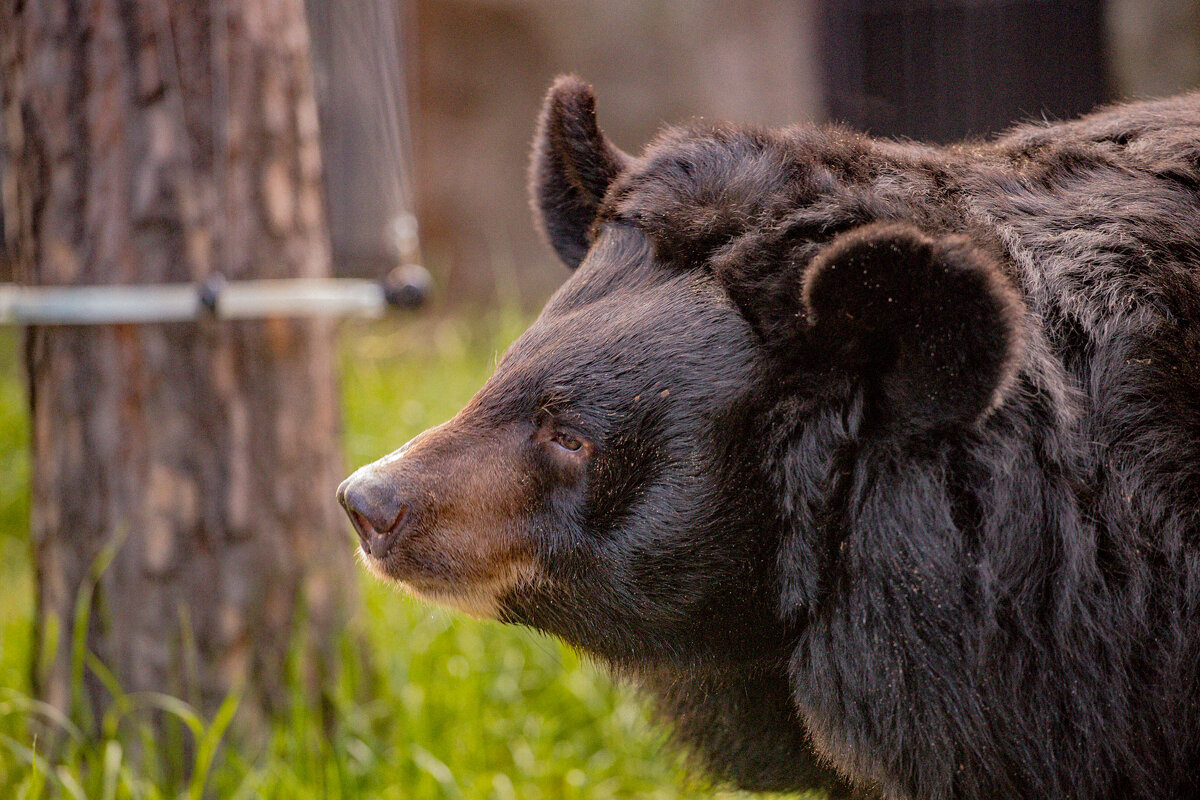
1100,220
1100,215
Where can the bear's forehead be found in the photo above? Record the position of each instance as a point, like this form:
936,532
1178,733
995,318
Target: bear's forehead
674,334
614,305
698,187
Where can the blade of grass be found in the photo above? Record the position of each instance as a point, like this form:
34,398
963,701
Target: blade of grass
16,703
437,769
173,706
82,616
113,756
120,707
206,749
70,784
28,756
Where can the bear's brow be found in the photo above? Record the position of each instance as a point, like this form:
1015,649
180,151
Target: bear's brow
555,399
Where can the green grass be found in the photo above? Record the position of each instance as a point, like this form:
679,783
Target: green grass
453,708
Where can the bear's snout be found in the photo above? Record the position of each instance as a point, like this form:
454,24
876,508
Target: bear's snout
447,515
376,510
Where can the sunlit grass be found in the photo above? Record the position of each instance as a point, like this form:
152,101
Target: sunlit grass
444,707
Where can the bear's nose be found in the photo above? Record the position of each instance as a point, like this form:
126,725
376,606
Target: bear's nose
376,510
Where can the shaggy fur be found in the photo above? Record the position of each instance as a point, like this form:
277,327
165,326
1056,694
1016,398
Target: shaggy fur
876,465
979,421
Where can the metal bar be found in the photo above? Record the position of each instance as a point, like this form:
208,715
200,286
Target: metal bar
27,305
180,302
304,297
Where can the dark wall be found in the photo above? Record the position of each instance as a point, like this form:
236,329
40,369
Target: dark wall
941,70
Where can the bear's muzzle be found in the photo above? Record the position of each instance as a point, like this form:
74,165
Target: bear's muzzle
445,515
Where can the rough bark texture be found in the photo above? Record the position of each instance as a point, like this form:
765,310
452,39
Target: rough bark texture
162,141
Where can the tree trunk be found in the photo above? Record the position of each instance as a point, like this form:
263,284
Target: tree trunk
163,141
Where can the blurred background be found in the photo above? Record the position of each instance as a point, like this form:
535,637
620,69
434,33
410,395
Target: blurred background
475,73
181,614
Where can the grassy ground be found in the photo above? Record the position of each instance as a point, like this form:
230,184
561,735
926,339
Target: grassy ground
458,709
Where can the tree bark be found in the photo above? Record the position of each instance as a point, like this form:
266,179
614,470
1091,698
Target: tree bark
163,141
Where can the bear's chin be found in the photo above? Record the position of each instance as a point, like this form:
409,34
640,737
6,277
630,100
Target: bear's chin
480,599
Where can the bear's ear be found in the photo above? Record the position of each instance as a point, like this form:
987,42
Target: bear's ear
571,168
931,325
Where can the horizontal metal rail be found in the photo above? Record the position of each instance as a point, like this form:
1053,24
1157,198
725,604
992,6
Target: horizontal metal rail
405,287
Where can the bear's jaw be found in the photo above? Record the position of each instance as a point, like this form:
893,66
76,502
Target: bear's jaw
480,599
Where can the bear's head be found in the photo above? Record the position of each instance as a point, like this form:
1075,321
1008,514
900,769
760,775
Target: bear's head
647,473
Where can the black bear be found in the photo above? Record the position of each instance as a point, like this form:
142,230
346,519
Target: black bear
876,464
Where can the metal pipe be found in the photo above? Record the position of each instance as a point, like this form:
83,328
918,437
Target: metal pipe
406,287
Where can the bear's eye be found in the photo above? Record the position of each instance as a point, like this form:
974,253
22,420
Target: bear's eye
552,433
566,441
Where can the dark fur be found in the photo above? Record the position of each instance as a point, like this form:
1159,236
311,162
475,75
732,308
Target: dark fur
573,164
936,526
